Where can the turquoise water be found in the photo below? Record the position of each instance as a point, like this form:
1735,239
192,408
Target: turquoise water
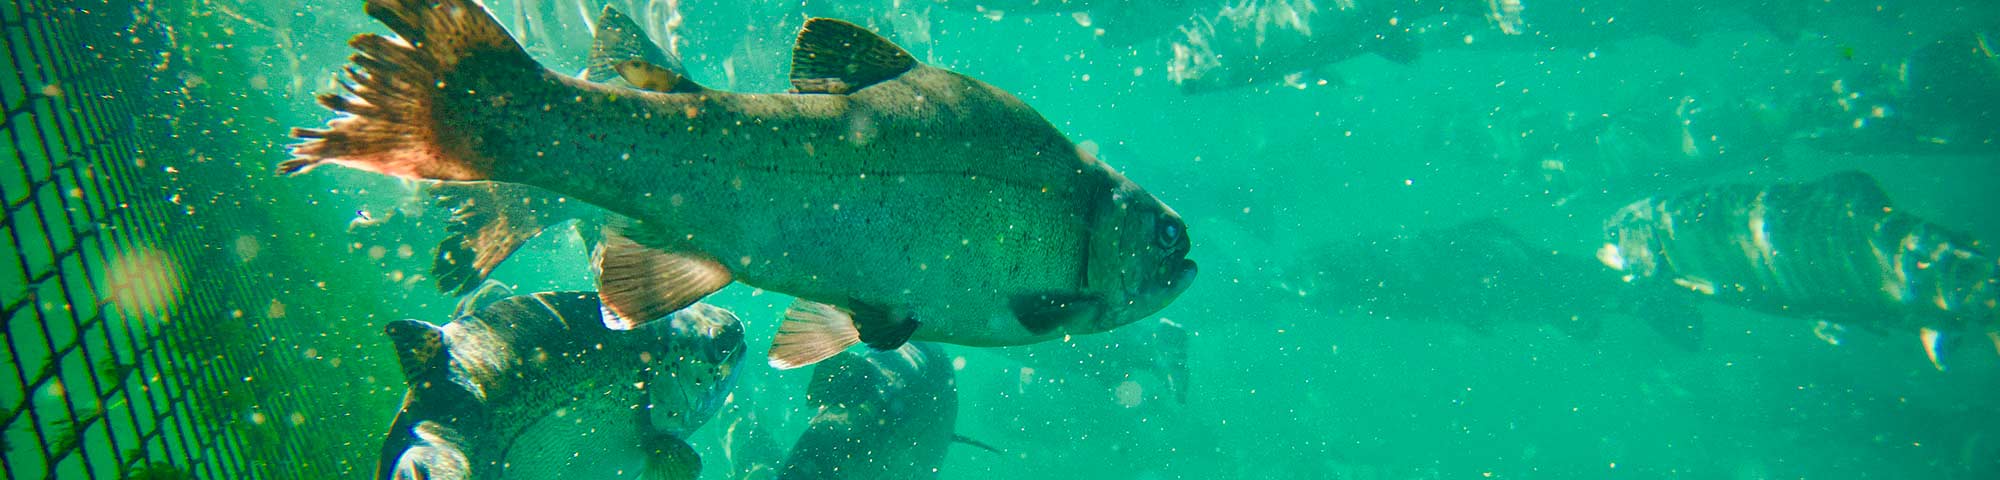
1295,374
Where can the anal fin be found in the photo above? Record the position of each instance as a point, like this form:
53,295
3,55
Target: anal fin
641,284
812,332
489,222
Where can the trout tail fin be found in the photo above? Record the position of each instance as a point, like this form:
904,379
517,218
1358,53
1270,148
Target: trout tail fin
390,120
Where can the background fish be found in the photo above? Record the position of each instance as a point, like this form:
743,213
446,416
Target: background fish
937,207
537,386
880,415
1260,42
1832,249
1482,274
1137,363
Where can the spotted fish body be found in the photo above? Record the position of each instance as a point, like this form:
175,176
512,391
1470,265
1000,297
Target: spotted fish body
490,220
1833,249
898,200
536,386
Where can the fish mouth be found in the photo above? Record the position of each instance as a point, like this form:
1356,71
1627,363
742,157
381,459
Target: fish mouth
1179,276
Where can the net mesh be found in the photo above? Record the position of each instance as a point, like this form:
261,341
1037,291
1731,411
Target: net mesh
146,330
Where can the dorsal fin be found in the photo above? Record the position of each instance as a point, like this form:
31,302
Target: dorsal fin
419,346
616,40
837,57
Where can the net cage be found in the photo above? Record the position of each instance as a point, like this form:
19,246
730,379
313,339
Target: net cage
159,303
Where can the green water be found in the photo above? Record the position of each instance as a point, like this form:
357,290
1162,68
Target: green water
1273,179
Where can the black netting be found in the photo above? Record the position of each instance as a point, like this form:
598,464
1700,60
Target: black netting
137,332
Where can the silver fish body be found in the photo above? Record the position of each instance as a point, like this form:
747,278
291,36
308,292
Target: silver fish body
1833,249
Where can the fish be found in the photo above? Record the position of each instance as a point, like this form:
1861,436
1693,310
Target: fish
1139,362
1834,249
1254,43
895,201
1649,145
887,415
749,448
1482,274
1950,89
537,385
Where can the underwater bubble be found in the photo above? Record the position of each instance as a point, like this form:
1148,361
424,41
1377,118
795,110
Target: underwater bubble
144,282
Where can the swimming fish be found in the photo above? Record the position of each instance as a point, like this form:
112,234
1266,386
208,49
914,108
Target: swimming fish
895,200
886,415
1255,43
1481,274
748,446
1833,249
1138,362
536,386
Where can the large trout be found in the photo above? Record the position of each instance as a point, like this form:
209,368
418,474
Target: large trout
896,200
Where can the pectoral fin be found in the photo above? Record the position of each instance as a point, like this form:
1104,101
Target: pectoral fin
1044,313
419,346
641,283
671,459
836,57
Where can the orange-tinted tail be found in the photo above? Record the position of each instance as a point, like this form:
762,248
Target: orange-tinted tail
390,121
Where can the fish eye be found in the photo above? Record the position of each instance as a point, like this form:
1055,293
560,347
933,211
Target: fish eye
1169,235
